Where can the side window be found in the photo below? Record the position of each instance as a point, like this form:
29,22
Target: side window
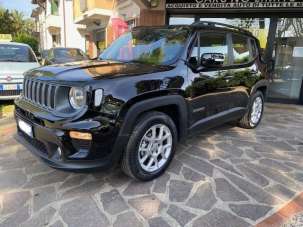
240,49
210,43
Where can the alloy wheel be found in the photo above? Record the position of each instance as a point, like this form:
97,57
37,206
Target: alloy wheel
155,148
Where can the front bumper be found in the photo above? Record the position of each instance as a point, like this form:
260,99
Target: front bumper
58,150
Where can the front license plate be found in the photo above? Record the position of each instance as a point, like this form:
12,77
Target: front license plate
7,87
25,127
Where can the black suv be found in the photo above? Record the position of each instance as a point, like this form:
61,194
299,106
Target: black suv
147,91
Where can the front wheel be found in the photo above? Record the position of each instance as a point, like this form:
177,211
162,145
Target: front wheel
151,147
255,111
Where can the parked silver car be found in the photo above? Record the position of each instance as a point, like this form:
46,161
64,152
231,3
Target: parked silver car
15,60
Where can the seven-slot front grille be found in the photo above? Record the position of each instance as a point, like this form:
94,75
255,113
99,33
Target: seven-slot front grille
40,92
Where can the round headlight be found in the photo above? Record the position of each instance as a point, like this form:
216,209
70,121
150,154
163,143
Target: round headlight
77,97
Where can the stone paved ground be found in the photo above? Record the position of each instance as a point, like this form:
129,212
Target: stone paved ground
226,177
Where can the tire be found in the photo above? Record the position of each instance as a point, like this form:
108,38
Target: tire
247,120
137,146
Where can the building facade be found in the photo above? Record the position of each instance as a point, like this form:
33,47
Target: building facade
277,23
55,25
106,20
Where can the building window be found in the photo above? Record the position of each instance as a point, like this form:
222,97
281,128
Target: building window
83,5
54,7
56,40
179,20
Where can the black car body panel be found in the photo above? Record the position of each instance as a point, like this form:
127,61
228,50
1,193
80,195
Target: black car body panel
194,99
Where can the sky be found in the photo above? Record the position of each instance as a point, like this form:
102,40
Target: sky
24,6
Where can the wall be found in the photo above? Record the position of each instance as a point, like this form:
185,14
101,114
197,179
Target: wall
73,36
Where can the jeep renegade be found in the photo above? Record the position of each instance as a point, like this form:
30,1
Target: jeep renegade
147,91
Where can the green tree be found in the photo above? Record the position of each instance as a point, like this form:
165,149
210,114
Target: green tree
14,23
28,39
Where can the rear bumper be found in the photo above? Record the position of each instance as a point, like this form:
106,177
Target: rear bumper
58,150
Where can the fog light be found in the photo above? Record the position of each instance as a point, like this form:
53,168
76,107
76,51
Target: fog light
80,135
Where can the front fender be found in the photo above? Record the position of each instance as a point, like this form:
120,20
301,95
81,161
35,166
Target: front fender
129,120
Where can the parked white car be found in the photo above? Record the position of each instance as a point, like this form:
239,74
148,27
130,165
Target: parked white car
15,60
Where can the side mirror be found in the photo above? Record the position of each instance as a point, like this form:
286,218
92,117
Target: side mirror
212,60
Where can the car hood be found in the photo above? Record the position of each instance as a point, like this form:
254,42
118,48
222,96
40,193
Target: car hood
16,68
94,70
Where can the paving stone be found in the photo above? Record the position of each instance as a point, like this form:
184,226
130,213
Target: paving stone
14,200
191,175
199,152
42,218
37,168
253,155
298,176
197,164
117,179
294,165
179,190
84,189
263,148
128,219
113,202
274,165
175,167
12,179
57,224
138,188
72,181
20,216
161,183
180,215
148,206
230,149
44,196
82,212
225,165
10,164
281,192
253,176
275,175
46,179
219,218
237,161
203,198
158,222
255,192
280,145
226,192
251,211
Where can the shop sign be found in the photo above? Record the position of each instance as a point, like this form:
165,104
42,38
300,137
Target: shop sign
232,4
6,37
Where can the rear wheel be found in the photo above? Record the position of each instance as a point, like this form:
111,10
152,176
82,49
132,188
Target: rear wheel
151,147
255,111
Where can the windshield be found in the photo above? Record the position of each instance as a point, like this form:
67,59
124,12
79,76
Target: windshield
74,54
150,46
16,53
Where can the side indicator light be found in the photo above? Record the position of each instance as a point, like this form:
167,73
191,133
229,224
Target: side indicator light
80,135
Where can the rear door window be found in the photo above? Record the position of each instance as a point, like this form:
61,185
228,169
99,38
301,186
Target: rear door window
241,53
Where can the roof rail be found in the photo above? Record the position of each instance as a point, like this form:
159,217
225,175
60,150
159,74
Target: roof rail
214,24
